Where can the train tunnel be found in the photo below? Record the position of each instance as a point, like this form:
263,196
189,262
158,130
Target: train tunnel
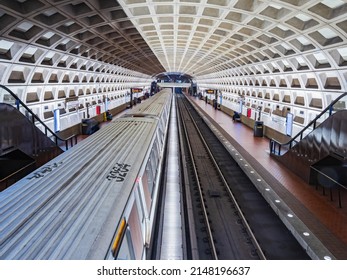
84,57
271,61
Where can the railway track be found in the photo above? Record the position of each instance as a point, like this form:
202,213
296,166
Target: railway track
227,217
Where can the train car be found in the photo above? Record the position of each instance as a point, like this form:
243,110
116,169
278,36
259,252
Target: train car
96,200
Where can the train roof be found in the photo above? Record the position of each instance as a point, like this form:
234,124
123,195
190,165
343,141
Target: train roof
57,211
153,107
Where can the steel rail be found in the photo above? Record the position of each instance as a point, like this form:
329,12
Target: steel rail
245,223
209,231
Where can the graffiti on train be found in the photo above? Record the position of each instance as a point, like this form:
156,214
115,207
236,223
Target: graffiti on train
119,172
45,170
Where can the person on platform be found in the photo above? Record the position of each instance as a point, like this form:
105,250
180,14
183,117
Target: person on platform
236,116
108,115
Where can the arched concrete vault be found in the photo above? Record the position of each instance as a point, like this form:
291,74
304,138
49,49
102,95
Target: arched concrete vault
257,48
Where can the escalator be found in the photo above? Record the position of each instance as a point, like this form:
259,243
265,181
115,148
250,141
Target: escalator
14,164
320,146
23,146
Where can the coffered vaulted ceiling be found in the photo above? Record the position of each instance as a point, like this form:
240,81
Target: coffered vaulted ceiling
196,37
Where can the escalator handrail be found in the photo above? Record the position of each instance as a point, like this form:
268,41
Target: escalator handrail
36,117
272,140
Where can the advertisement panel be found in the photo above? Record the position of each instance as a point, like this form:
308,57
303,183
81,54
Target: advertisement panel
56,120
289,124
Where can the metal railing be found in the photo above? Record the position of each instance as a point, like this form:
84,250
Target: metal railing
337,185
339,103
12,99
4,182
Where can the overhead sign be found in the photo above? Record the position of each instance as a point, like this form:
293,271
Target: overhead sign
71,102
71,99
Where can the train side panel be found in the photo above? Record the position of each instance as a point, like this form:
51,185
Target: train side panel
72,207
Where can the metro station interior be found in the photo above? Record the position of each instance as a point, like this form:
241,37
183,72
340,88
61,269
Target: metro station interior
70,68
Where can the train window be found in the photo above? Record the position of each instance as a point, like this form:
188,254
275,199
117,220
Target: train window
162,123
160,135
139,204
126,250
159,144
135,226
146,193
154,165
150,176
155,154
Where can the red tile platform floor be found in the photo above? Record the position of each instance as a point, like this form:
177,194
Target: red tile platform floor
322,216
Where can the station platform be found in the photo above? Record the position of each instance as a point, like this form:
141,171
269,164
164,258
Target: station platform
81,137
322,217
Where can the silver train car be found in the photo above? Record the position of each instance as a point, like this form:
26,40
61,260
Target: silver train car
96,200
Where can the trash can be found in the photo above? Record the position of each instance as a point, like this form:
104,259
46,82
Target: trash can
258,129
84,128
89,126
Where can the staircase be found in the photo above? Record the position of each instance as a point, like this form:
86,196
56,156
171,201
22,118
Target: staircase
23,146
14,164
319,147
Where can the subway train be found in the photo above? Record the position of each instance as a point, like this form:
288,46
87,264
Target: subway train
95,201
